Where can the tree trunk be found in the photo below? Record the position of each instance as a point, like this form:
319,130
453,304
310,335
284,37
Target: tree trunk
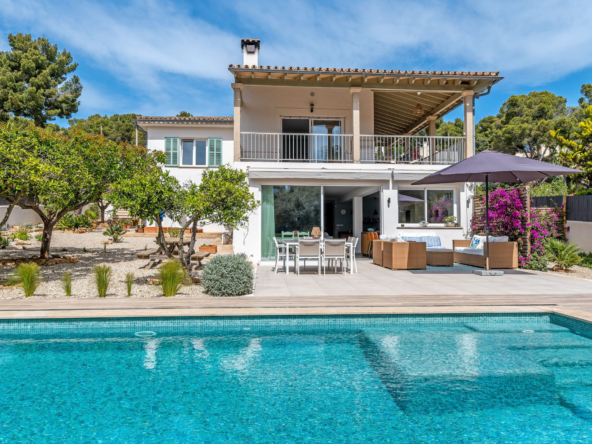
46,238
10,208
186,258
160,240
103,207
228,236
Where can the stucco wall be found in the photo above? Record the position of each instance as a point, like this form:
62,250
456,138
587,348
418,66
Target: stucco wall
264,106
20,216
156,136
580,233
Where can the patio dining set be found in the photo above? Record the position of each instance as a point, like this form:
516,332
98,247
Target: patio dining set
324,251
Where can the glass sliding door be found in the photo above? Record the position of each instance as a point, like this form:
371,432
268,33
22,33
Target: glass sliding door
326,147
286,209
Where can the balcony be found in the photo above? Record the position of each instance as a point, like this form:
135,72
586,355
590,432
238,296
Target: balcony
339,148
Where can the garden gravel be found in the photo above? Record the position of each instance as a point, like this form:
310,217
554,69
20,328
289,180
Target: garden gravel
88,248
575,271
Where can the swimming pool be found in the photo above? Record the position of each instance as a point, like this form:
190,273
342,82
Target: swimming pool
399,379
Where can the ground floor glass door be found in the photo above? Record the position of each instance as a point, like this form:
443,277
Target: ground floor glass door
286,209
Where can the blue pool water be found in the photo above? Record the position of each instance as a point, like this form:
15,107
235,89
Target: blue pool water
384,379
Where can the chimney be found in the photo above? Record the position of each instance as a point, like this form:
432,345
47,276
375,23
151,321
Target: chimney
250,48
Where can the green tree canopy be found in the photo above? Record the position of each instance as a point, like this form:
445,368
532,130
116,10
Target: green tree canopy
34,81
524,123
576,152
452,129
484,132
118,127
229,196
66,172
184,114
149,192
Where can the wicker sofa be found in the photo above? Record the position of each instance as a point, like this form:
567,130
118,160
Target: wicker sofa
501,254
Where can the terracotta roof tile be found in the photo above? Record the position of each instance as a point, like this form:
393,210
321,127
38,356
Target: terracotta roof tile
370,71
188,119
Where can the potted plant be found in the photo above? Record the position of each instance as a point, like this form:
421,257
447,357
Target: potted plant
450,221
140,228
212,249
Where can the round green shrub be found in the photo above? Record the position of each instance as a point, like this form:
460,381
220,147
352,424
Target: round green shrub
228,275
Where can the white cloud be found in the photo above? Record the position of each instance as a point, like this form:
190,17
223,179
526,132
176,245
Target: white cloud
533,42
146,44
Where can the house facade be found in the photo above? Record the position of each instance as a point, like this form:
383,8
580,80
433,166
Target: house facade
332,148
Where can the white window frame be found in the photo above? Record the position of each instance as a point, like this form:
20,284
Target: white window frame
194,140
455,193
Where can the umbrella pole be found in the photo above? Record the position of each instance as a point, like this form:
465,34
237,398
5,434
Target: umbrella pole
487,222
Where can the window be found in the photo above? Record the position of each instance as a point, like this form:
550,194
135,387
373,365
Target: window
433,206
201,152
194,152
440,205
188,152
171,150
411,206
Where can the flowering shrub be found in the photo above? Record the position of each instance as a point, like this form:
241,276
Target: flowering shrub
508,217
544,225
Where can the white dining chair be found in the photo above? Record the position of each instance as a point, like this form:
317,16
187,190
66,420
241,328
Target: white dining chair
351,254
334,250
280,252
308,249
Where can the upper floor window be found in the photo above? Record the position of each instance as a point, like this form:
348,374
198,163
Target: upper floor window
198,152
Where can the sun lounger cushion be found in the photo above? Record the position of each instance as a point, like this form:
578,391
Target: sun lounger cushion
469,250
431,241
440,248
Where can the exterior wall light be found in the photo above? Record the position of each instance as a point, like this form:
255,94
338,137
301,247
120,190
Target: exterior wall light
312,108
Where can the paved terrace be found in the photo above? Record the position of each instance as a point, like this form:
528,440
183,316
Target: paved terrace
374,290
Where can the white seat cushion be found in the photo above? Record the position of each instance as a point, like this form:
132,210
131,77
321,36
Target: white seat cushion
499,239
469,250
440,249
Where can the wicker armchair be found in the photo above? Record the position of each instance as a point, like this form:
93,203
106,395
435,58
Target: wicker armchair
501,254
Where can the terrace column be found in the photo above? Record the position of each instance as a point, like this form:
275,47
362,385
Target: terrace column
469,105
355,92
237,88
432,133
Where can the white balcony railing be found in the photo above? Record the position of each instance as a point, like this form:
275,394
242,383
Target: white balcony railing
338,148
280,147
430,150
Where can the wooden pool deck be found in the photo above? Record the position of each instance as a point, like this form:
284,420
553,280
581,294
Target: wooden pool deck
575,305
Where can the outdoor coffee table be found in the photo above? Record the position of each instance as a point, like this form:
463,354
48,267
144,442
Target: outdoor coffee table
442,258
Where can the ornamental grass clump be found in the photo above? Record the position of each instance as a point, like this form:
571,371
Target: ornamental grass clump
172,275
102,278
228,275
129,282
28,275
67,283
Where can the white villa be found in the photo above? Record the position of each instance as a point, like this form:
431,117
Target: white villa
332,148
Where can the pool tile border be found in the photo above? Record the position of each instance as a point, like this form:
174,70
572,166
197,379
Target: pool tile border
27,327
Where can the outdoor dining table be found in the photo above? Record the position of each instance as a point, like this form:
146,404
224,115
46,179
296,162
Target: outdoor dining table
294,244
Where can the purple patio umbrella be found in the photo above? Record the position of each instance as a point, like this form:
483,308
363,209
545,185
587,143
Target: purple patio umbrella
492,166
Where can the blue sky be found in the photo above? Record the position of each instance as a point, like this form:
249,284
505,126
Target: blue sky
161,57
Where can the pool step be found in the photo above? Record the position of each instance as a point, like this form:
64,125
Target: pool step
454,373
538,327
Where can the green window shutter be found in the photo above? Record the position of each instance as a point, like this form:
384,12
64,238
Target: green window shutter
214,152
171,149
